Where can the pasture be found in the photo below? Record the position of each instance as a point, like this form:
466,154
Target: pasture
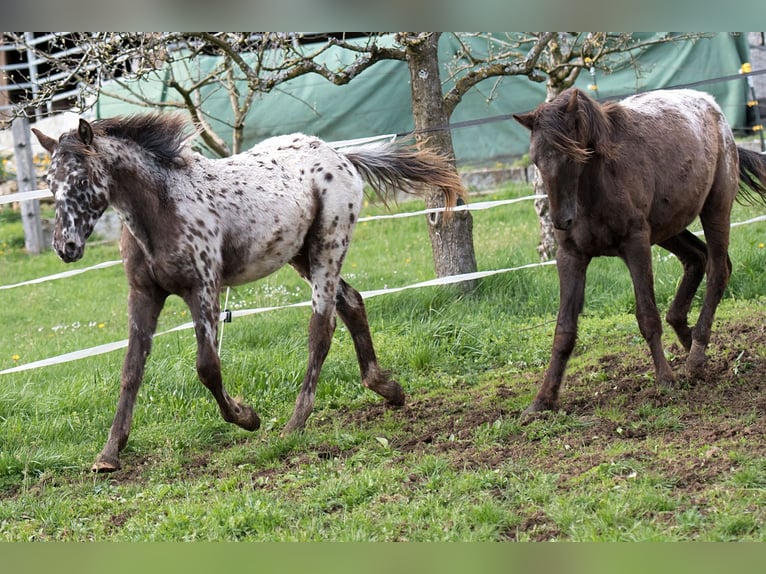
623,460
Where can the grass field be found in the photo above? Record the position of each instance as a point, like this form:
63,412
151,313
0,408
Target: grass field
624,460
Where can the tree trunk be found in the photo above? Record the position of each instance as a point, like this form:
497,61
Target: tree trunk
547,247
451,237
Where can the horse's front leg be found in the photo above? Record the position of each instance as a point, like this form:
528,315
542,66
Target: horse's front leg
638,257
571,270
205,310
144,306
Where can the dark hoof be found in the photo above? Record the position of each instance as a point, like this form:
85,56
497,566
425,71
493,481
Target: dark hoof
378,381
696,361
292,427
536,410
248,419
242,416
395,395
105,464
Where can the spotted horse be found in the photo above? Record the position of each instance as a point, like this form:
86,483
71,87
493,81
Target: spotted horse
193,225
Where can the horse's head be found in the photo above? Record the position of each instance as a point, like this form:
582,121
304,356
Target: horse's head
81,197
560,147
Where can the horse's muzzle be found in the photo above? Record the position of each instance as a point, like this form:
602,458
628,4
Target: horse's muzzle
70,252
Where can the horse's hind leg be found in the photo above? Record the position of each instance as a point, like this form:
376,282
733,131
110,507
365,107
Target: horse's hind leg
715,222
205,310
319,262
692,253
350,307
324,284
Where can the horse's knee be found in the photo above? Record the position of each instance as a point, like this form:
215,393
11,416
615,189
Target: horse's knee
564,342
649,324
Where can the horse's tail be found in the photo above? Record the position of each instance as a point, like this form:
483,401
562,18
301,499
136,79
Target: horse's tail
752,176
408,168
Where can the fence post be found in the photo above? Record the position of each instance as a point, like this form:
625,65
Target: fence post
27,181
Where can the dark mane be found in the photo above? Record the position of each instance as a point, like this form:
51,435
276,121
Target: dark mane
161,135
590,134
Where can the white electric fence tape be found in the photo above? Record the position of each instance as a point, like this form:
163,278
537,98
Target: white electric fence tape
101,349
471,207
106,348
62,275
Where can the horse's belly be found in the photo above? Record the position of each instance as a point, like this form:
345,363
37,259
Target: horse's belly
248,263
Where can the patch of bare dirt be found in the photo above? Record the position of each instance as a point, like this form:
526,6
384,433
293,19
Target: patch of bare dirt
697,422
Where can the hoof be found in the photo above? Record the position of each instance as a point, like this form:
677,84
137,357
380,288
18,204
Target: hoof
695,362
538,406
666,379
535,409
395,395
105,464
380,382
250,420
292,427
244,417
695,371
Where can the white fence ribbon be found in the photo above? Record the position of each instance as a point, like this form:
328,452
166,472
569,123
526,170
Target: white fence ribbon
25,196
472,207
62,275
109,347
465,207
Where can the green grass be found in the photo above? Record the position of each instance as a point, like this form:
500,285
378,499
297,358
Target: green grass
455,464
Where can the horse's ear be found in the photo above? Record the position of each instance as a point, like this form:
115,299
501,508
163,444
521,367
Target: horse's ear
572,103
48,143
527,120
85,131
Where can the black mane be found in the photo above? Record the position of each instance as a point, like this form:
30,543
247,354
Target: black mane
161,135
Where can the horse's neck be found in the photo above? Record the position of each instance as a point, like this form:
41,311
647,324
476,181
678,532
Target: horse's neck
135,192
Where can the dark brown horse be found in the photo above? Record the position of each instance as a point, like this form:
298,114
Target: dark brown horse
194,224
622,176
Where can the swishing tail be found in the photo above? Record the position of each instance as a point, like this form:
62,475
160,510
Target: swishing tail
752,176
390,167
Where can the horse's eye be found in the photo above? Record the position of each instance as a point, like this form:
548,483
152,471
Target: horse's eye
82,183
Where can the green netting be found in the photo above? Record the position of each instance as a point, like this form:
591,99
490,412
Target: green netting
378,101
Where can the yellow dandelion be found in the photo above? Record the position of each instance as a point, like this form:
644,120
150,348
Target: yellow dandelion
15,358
761,245
101,325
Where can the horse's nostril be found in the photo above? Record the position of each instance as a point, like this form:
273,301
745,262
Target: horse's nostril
563,224
69,251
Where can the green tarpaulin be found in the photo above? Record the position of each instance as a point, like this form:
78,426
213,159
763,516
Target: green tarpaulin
378,100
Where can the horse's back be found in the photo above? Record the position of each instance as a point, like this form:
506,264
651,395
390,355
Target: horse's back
269,198
691,151
667,115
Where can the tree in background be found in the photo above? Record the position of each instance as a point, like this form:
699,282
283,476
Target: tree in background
254,63
249,64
